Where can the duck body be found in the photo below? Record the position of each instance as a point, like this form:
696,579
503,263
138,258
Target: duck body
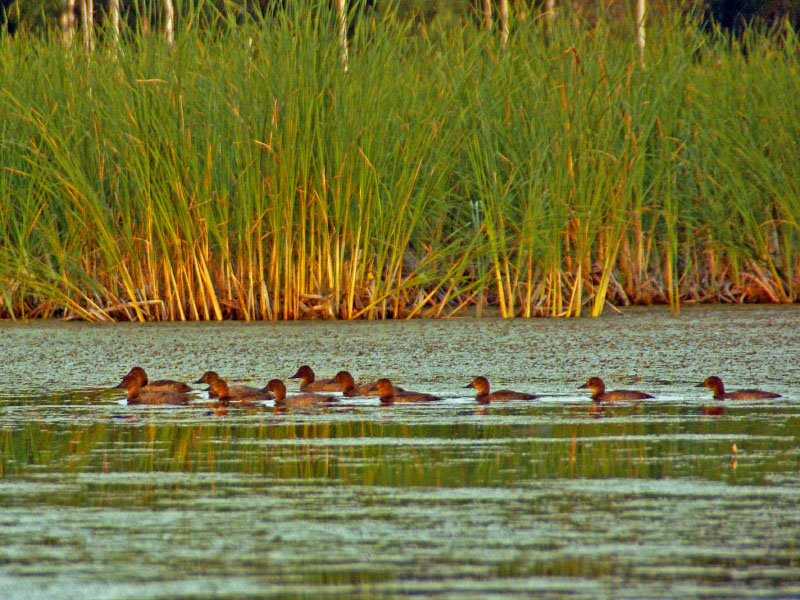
308,383
481,384
174,398
235,392
161,385
222,397
350,389
277,387
599,393
389,395
136,395
714,383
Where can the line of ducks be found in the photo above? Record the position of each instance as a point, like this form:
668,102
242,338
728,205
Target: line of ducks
166,391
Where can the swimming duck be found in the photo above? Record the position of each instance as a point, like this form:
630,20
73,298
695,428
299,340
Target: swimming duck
222,398
599,393
349,387
162,385
388,394
307,383
137,396
235,392
484,397
714,383
277,387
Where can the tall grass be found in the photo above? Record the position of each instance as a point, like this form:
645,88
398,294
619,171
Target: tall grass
244,174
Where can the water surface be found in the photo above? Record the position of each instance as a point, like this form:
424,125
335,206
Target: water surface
545,498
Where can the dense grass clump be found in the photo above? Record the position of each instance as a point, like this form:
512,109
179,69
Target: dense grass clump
244,174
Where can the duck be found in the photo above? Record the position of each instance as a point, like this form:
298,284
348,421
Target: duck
349,387
484,397
714,383
136,395
277,387
307,383
235,392
162,385
219,392
389,395
599,393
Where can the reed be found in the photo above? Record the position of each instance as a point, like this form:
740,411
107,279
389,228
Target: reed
243,173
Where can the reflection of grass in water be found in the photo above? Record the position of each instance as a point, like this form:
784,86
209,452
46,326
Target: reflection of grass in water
404,455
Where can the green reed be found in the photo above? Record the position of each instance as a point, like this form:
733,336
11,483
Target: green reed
244,174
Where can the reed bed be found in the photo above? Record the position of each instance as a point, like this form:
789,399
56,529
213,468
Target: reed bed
243,173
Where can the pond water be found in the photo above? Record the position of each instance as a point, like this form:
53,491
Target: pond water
549,498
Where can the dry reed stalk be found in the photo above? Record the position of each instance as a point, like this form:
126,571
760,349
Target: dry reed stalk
504,22
487,14
640,34
550,10
169,22
612,242
87,22
68,22
341,9
114,22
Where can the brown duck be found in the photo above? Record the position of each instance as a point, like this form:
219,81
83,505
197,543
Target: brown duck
307,383
599,393
389,395
235,392
349,387
277,387
714,383
484,397
162,385
136,395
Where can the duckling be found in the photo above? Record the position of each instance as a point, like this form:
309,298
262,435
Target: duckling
349,387
277,387
136,396
389,395
307,383
599,393
162,385
714,383
235,392
484,397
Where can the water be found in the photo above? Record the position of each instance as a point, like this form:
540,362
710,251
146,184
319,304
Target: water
547,498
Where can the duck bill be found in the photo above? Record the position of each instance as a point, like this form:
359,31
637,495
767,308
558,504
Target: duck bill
583,387
700,385
199,381
466,387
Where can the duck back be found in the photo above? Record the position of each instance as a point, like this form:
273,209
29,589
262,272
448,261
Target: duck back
166,385
616,395
750,395
155,398
501,395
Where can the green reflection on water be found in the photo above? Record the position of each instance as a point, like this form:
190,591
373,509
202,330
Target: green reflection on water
379,503
538,443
